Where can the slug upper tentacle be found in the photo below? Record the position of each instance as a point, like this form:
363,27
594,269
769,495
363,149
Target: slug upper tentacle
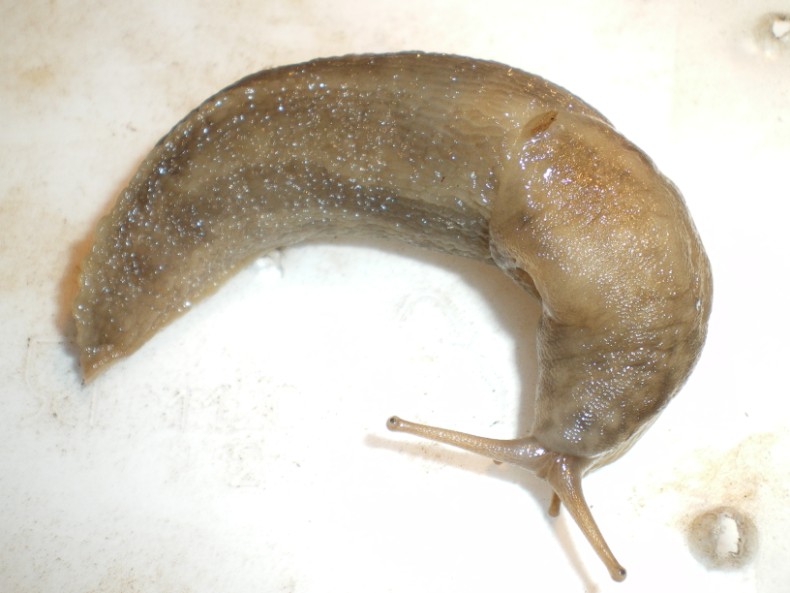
464,156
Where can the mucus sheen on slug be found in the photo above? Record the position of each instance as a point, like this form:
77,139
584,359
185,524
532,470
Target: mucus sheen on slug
464,156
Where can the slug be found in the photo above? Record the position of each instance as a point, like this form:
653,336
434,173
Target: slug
459,155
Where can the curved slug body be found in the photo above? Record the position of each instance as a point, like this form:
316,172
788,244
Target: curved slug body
463,156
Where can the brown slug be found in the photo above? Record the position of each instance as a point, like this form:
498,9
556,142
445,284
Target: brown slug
458,155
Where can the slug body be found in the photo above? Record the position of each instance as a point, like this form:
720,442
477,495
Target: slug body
459,155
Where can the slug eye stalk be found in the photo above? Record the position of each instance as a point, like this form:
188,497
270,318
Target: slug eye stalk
562,472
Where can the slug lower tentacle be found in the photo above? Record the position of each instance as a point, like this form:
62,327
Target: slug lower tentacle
464,156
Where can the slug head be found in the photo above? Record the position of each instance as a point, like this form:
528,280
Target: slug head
605,240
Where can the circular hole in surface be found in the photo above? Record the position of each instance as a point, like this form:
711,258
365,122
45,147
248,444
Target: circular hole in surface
780,26
722,538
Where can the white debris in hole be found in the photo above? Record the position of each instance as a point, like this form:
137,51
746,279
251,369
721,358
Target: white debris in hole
772,34
780,26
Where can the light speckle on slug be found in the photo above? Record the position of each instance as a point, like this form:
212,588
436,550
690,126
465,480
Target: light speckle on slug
463,156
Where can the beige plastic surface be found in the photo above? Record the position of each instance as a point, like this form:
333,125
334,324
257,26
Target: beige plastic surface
245,449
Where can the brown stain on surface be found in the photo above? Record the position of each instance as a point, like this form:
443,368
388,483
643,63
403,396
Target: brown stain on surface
735,477
37,77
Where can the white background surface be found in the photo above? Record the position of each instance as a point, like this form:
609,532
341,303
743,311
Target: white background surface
244,448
